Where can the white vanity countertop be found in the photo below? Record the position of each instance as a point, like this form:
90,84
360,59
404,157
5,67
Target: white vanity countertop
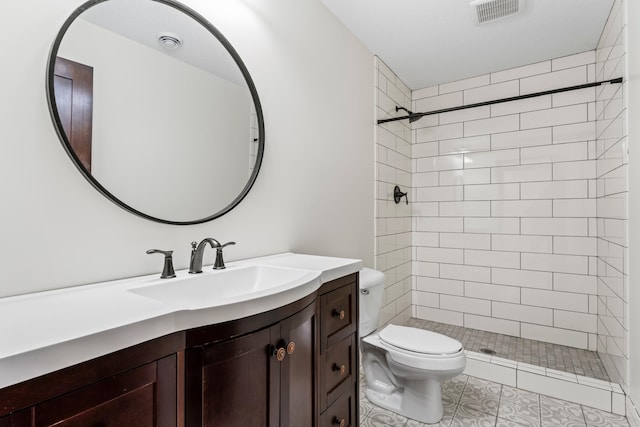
46,331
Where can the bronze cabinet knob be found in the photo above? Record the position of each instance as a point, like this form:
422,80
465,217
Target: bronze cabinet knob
339,314
341,422
291,347
340,368
280,354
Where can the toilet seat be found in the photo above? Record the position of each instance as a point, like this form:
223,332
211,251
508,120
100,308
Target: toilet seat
419,340
433,362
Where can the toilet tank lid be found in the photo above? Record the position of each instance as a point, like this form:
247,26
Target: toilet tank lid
370,277
419,340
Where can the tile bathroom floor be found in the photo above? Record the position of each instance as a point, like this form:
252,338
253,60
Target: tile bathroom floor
554,356
470,402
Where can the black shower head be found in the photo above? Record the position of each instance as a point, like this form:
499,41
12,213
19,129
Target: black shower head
412,117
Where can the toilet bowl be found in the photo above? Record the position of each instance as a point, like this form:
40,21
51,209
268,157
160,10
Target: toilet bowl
403,366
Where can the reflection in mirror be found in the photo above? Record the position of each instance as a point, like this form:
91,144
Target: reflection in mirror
168,125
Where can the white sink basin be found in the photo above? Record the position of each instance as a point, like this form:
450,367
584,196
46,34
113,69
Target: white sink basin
234,284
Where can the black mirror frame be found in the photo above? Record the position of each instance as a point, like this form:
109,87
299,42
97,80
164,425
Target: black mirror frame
67,145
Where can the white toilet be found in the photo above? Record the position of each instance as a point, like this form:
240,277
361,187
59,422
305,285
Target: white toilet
403,366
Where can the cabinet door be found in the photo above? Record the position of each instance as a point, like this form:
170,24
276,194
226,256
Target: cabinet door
144,396
244,382
19,419
298,383
240,382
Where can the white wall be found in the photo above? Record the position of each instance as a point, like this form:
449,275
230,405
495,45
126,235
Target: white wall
504,204
313,194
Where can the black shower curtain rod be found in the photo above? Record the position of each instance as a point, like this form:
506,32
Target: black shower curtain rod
415,116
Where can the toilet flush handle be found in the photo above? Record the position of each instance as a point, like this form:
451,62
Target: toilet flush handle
364,291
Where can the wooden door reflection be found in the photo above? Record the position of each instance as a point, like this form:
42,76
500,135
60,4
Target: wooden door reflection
73,88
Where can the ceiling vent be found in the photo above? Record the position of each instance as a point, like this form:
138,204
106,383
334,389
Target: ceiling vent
169,41
485,11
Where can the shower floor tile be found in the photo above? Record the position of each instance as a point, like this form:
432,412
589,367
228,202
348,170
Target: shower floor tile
547,355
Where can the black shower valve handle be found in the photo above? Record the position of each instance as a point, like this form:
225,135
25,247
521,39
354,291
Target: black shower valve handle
398,195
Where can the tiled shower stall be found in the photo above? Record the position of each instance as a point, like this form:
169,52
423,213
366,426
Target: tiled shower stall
517,214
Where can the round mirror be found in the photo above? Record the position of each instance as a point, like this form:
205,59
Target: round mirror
156,109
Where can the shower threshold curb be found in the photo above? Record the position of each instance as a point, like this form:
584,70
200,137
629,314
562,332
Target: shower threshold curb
603,395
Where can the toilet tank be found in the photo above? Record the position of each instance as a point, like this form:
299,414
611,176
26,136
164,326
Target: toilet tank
371,292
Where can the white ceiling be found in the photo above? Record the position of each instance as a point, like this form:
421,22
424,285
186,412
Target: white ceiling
428,42
143,21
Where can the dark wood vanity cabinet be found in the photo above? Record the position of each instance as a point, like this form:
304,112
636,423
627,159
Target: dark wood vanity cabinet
18,419
338,356
296,371
296,366
264,378
126,388
144,396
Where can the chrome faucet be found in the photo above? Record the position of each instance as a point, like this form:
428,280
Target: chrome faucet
197,252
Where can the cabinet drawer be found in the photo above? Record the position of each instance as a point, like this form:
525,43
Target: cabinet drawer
339,369
338,315
341,413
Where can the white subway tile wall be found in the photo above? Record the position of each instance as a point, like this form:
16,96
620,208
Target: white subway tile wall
509,240
517,214
611,196
393,221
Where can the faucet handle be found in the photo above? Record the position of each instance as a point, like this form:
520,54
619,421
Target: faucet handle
167,271
219,263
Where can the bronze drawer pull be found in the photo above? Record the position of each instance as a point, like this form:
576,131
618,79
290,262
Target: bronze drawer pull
291,347
341,368
341,423
280,353
339,314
